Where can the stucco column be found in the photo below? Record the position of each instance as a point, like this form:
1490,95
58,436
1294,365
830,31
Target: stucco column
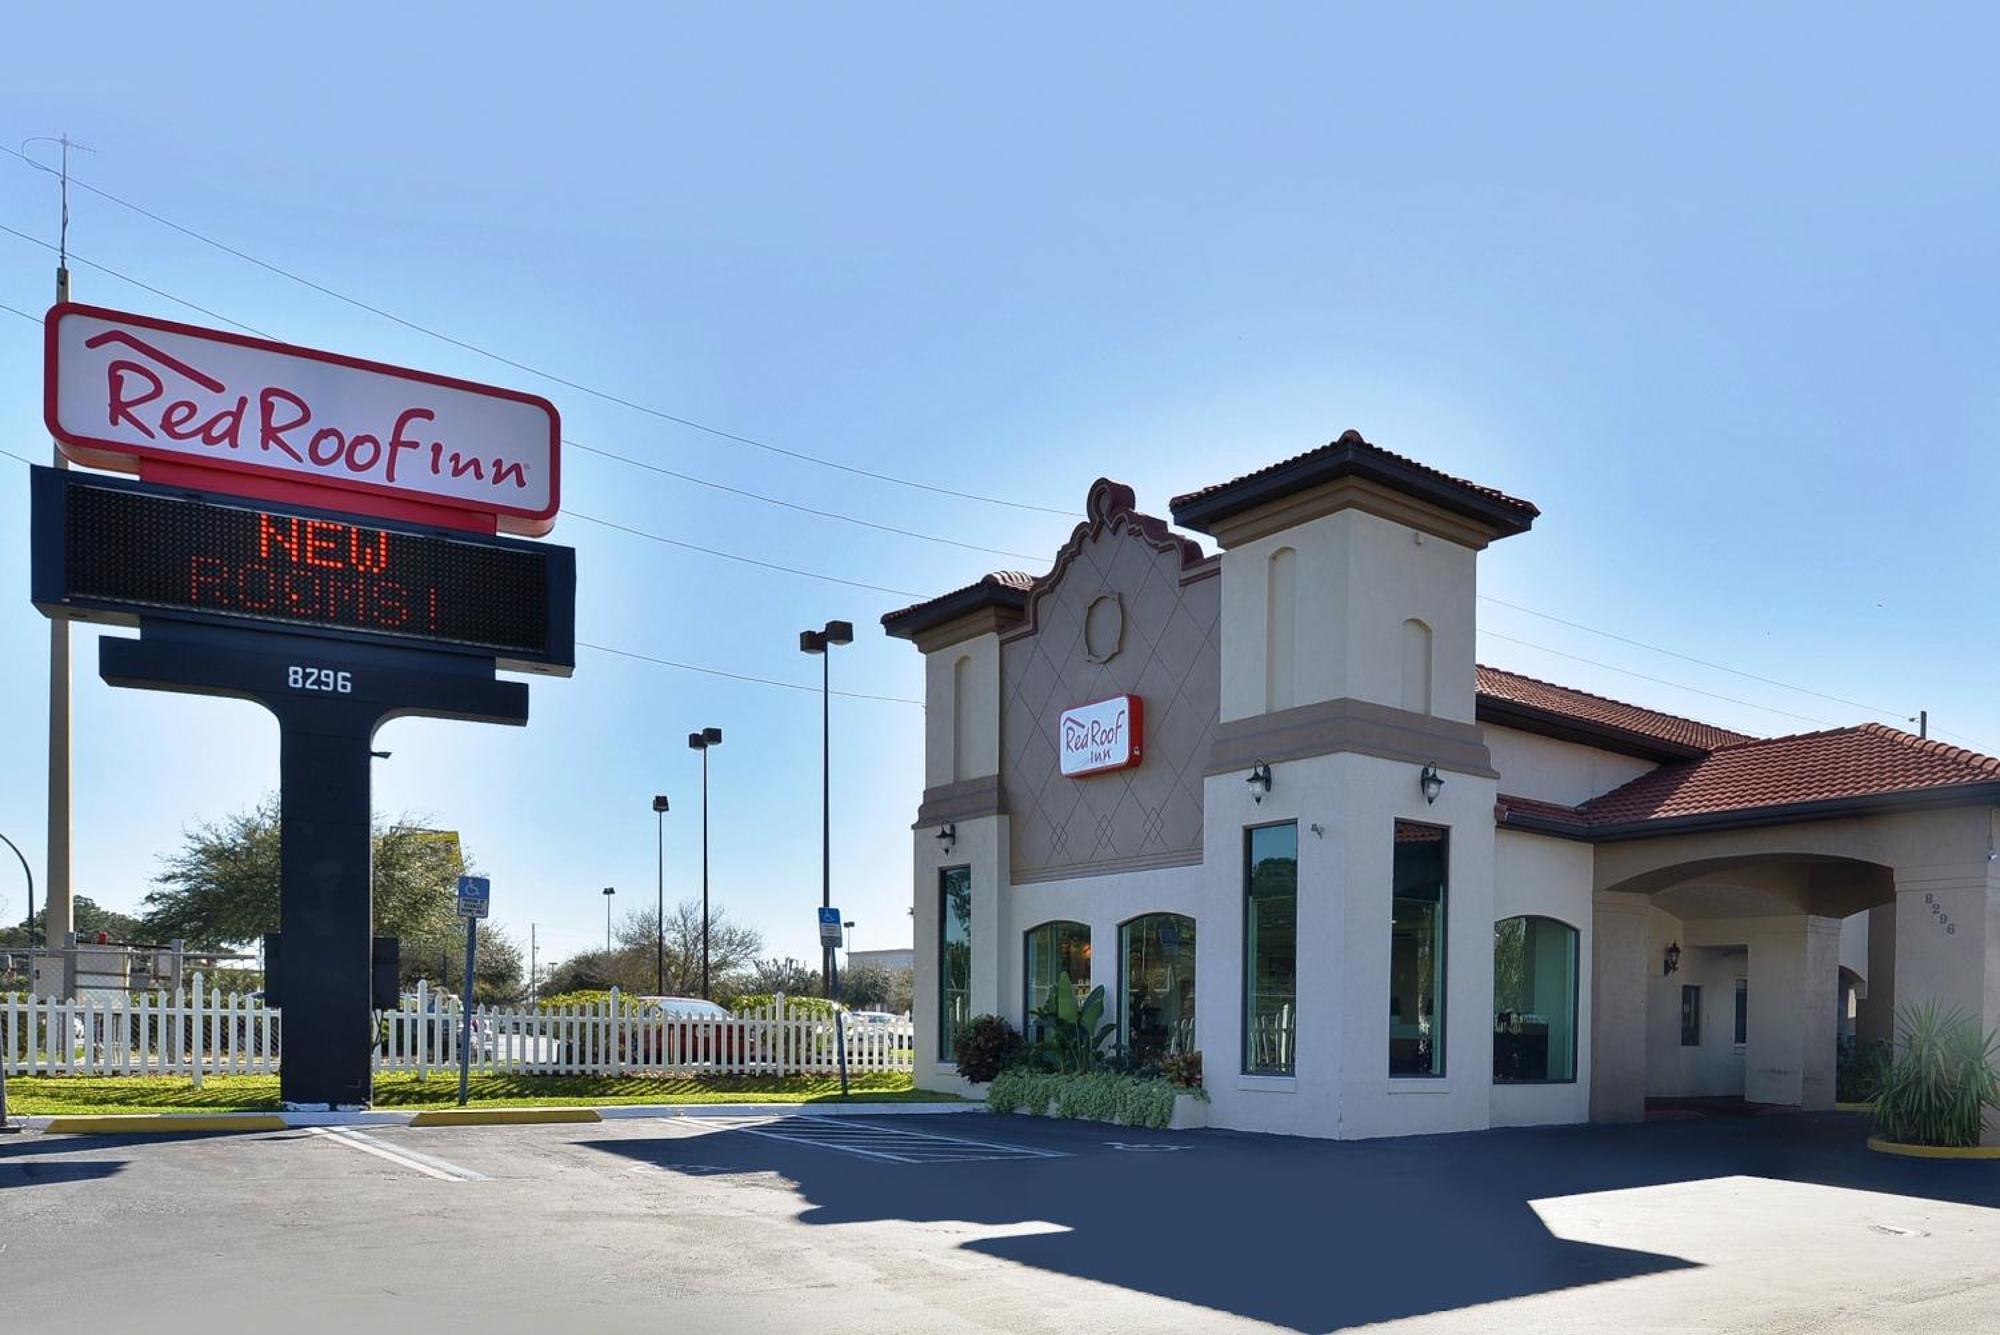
1874,1014
1948,942
1620,933
1794,979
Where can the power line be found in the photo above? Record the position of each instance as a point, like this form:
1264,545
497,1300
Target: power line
742,676
577,445
127,278
746,560
16,310
792,505
1690,658
576,385
1662,681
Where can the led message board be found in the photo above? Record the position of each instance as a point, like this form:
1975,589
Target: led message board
108,549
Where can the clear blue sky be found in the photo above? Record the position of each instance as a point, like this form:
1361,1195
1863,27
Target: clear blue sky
1716,290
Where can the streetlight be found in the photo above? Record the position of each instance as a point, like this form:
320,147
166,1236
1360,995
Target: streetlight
821,642
847,936
660,910
29,873
608,892
701,741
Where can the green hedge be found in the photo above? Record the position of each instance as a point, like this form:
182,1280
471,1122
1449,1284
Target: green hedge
1128,1100
817,1007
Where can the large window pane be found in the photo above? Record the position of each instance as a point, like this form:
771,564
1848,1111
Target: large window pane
954,955
1054,949
1271,934
1416,952
1534,1000
1156,1018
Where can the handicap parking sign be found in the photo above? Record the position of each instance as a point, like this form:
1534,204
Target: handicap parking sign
475,895
829,927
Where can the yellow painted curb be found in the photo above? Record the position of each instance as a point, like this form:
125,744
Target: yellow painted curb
142,1124
502,1116
1934,1151
1854,1107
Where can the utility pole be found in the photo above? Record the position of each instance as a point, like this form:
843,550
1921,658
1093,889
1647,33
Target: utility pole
58,916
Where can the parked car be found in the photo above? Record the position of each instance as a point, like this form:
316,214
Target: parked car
881,1021
689,1030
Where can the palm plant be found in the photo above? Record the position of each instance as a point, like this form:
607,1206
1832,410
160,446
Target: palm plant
1939,1084
1072,1032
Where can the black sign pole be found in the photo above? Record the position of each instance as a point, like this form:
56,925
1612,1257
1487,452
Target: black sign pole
465,1012
326,900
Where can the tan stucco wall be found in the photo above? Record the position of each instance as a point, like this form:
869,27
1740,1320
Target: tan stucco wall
1553,771
1550,878
1359,578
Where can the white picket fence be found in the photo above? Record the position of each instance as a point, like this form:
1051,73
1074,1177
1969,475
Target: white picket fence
198,1032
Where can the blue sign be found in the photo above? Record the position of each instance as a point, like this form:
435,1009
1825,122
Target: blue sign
475,895
829,927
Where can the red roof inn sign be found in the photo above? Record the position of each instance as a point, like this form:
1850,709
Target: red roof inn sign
1100,737
277,422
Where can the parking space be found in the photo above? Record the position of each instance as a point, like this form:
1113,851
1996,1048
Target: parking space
919,1223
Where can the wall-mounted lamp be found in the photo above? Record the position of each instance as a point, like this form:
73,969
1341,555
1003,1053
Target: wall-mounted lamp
947,834
1672,964
1431,782
1259,781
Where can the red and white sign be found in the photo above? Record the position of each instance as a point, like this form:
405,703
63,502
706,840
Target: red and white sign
1101,737
225,412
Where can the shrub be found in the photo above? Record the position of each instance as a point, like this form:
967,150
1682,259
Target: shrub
1098,1096
1182,1069
1940,1082
818,1008
985,1047
1858,1070
585,997
1072,1032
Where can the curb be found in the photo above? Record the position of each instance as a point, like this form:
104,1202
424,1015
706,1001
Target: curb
126,1124
501,1116
162,1123
783,1109
1881,1146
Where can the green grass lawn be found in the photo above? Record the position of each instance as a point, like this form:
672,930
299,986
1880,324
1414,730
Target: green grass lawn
30,1096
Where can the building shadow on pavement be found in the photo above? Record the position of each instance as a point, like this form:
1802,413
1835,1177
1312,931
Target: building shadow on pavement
1310,1234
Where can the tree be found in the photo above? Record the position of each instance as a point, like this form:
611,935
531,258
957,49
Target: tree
732,948
221,889
865,987
89,918
792,977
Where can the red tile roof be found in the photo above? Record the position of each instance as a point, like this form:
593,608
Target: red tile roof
1350,453
1597,711
1008,587
1865,761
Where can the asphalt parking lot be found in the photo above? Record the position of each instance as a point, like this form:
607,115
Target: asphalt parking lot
961,1223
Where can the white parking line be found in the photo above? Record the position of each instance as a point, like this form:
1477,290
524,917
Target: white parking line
891,1144
427,1164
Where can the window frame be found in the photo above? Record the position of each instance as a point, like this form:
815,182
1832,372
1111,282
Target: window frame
1575,999
1124,1036
945,1034
1243,999
1443,965
1028,1001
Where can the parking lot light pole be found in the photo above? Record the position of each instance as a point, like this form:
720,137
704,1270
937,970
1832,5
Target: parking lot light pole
702,741
821,642
660,903
608,892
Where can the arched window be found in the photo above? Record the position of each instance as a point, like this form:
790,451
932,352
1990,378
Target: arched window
1534,1000
1052,950
1156,986
961,717
1281,630
1416,666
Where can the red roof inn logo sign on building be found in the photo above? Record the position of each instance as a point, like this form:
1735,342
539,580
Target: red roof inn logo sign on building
264,419
1102,737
